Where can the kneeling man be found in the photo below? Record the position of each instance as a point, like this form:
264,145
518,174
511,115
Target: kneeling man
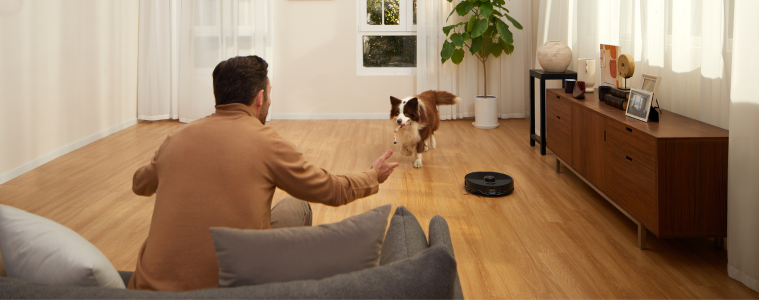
221,171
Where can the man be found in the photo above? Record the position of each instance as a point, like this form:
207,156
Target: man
221,171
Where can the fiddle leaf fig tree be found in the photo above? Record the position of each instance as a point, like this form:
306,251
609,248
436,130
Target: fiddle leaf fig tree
484,34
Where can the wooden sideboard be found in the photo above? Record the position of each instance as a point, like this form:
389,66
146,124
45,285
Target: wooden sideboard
669,177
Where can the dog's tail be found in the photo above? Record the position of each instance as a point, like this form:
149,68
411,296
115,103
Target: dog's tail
440,97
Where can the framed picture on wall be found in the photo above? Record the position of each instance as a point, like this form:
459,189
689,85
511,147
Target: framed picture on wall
639,104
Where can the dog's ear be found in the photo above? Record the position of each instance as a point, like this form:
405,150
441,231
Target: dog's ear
413,102
395,101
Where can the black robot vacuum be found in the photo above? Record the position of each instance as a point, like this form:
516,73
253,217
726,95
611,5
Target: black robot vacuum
489,183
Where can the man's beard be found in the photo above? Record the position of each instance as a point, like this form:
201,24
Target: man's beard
264,110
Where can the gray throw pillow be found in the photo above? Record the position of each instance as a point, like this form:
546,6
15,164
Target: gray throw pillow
250,257
42,251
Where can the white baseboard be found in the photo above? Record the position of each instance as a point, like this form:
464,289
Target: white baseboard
155,118
375,116
62,151
513,116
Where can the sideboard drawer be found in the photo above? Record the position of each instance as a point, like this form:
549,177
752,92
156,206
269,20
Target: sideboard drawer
633,186
632,143
559,127
556,107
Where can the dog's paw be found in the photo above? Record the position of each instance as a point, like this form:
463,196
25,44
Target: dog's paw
418,163
426,148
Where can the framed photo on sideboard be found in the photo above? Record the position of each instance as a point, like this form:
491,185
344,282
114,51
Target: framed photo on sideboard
650,83
639,104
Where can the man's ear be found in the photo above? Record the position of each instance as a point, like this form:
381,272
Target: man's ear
259,100
395,101
413,102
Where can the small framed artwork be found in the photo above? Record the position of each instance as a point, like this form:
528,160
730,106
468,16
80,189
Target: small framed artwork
639,104
650,83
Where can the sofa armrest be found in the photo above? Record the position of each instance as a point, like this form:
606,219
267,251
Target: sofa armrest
441,236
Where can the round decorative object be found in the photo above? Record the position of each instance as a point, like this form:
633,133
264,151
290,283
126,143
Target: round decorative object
625,66
586,71
485,112
554,56
489,183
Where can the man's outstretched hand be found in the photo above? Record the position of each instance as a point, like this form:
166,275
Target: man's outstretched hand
384,169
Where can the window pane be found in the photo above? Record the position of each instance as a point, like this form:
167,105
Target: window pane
392,12
374,12
414,12
390,51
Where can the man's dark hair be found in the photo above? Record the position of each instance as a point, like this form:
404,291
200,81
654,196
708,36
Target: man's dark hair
238,79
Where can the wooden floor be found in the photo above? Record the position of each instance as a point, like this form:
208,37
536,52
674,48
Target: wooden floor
554,237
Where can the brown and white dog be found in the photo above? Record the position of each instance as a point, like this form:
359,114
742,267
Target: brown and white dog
418,119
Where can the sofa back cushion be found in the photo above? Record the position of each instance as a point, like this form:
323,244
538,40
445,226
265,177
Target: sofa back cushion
42,251
250,257
404,239
429,275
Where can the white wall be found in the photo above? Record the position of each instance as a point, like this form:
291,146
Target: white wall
68,75
314,67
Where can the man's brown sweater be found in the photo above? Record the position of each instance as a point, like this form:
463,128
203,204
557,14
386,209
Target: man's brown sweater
221,171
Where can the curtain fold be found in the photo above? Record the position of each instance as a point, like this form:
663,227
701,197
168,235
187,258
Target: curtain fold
743,164
506,74
181,41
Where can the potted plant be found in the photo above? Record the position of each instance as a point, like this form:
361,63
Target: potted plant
483,34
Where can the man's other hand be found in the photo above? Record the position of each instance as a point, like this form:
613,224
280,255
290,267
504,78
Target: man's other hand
384,169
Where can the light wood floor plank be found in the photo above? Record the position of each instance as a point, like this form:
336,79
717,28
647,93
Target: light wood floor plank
553,238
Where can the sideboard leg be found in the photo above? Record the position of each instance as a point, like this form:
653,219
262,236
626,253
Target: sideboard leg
558,166
642,236
719,243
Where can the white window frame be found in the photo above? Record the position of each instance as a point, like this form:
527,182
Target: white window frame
405,28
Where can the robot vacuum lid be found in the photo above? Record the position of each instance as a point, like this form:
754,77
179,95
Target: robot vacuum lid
489,183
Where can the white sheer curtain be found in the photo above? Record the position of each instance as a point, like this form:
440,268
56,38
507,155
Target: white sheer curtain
181,41
506,75
743,160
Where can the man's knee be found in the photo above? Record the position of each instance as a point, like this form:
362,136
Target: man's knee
291,212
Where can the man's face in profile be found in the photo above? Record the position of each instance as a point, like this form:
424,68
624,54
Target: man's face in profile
265,106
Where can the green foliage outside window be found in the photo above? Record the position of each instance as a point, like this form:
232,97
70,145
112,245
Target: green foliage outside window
390,51
374,10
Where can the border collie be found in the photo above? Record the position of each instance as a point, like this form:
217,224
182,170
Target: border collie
418,118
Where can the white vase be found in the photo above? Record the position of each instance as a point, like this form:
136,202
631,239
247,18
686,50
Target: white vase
586,71
554,56
485,112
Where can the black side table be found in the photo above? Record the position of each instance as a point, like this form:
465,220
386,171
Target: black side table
543,76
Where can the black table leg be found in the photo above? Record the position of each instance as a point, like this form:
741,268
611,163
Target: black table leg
532,110
543,139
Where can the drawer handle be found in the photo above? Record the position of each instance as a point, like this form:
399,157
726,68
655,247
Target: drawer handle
629,129
629,158
557,97
558,117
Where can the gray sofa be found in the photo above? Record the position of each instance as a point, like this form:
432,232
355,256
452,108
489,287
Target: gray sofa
410,268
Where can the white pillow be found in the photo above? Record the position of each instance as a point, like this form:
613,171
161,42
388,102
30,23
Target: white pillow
42,251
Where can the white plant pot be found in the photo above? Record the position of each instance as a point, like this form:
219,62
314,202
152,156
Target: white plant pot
554,56
486,112
586,71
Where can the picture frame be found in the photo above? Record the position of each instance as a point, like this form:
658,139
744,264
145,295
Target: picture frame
650,83
639,104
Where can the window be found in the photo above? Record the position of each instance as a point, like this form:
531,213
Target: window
386,39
